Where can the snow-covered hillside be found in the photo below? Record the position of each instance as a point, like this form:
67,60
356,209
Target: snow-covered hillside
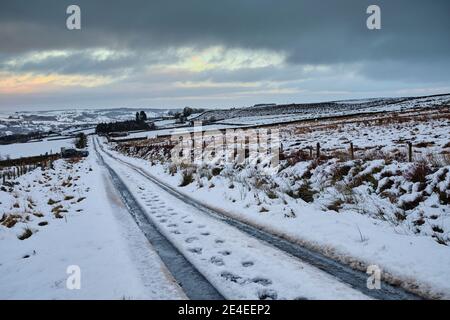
58,120
285,113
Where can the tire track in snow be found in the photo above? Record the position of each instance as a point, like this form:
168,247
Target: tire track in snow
354,278
193,282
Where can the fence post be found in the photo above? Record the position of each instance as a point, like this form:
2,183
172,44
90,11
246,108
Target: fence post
410,152
318,150
352,153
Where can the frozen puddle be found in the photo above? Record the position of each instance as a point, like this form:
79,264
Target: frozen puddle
238,266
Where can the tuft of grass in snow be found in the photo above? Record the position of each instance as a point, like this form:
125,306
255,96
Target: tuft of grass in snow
364,178
418,173
339,172
271,194
335,205
57,211
187,177
51,202
305,192
411,204
10,220
26,234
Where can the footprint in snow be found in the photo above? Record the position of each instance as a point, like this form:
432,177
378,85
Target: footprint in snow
205,234
247,264
262,281
219,241
267,294
231,277
225,252
195,250
191,239
217,261
176,232
172,225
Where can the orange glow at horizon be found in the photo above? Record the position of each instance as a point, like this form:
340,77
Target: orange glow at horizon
29,83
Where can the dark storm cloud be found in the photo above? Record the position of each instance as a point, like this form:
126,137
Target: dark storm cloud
309,31
411,49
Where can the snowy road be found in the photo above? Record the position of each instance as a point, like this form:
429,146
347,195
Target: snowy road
237,264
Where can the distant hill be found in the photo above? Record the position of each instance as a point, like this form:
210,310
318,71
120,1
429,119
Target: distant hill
260,113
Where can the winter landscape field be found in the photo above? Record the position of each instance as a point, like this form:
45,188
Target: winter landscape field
224,159
363,189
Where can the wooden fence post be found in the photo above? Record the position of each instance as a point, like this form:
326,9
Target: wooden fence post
318,150
352,153
410,152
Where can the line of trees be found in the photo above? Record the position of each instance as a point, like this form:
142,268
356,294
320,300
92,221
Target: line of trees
129,125
186,112
21,137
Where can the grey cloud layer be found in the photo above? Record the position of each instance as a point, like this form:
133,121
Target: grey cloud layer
310,31
412,45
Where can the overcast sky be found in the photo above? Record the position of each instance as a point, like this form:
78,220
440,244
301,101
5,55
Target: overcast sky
211,53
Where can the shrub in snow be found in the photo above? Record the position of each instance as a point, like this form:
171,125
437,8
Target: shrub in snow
418,172
187,177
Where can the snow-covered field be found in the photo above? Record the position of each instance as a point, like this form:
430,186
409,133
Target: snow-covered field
173,131
372,207
71,215
376,209
29,149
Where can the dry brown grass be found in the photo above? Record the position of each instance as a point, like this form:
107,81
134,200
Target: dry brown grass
10,220
418,172
25,234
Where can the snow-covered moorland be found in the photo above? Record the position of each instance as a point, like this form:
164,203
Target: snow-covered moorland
68,215
373,208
